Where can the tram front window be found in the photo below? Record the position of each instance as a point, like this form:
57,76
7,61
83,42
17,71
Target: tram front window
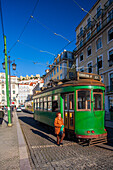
83,100
97,101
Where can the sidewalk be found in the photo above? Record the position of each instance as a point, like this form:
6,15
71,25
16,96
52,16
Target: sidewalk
13,151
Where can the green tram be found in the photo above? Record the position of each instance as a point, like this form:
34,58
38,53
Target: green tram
81,103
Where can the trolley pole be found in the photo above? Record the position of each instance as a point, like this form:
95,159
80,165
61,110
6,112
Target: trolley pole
7,86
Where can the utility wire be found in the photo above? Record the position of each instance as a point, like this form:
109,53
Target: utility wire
84,10
49,29
24,27
1,19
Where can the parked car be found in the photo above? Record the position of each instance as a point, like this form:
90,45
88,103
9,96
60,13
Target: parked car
18,109
22,107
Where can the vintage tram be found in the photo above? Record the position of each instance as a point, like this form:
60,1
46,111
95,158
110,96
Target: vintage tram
29,106
81,103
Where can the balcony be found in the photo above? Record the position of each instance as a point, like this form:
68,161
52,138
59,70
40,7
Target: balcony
99,14
110,63
109,88
81,34
107,4
95,31
88,26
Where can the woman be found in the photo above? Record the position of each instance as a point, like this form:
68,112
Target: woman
58,123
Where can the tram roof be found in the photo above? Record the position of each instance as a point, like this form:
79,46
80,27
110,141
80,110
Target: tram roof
80,82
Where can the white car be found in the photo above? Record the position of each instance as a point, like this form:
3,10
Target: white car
22,107
18,109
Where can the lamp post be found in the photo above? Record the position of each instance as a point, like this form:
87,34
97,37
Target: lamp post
14,68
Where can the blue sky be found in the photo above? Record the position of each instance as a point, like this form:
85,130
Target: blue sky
60,16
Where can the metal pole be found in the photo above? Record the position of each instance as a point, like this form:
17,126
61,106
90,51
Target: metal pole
10,84
7,86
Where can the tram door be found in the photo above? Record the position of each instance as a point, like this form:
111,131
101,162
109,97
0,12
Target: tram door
69,111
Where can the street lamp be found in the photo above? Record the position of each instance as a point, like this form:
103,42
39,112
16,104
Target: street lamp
14,68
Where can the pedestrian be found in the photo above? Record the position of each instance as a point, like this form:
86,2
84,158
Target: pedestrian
1,116
59,129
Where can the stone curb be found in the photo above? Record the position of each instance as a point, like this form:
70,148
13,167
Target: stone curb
24,160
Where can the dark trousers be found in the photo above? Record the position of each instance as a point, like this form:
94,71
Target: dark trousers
61,139
1,120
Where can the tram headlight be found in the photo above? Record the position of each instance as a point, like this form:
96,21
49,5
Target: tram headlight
88,131
92,131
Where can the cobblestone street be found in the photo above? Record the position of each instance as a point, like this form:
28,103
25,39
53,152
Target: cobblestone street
45,154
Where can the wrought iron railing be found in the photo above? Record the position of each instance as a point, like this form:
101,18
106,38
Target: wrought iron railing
108,3
95,30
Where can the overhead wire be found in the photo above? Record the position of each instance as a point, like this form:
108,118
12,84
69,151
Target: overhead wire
49,29
24,27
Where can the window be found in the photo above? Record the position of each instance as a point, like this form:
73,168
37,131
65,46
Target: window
71,101
110,15
102,78
99,43
41,104
81,31
61,66
90,68
52,74
13,98
70,75
83,100
50,103
55,103
110,34
88,23
110,58
65,102
100,62
60,76
57,69
13,92
58,60
70,64
89,51
2,91
97,101
65,55
82,69
88,35
81,57
45,103
99,11
98,26
57,77
81,43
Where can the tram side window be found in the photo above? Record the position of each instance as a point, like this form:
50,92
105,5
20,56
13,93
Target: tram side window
50,103
37,103
41,104
83,100
55,103
45,103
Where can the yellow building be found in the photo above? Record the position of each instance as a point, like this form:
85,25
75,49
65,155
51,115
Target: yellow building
94,45
61,68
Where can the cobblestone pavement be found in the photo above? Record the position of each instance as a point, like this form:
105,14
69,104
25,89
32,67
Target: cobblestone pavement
44,154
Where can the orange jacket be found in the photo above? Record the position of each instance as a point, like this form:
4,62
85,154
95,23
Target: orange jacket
58,123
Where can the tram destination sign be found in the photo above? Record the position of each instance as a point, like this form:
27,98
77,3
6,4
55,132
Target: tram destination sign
89,76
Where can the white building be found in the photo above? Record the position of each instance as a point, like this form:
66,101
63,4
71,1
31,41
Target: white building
14,90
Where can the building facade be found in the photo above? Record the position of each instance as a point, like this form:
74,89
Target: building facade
14,90
94,45
61,68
